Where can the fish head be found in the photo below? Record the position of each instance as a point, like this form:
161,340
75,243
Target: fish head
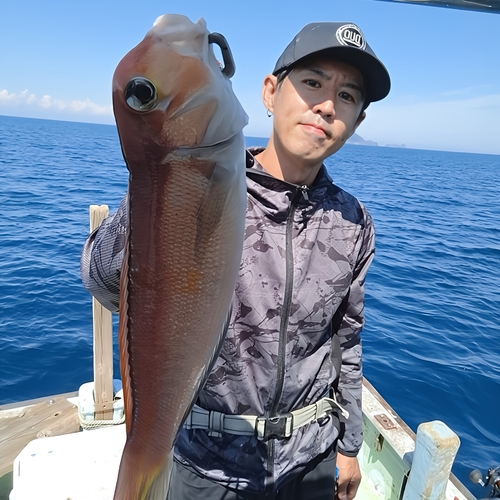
169,91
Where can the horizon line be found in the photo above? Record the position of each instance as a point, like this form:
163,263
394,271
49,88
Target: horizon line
265,138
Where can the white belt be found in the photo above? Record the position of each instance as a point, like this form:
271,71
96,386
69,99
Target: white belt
273,427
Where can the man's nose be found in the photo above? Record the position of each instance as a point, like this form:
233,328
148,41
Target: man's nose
325,108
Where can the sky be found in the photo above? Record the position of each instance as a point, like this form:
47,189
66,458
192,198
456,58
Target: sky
57,60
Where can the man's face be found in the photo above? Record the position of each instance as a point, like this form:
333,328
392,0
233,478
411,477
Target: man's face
317,107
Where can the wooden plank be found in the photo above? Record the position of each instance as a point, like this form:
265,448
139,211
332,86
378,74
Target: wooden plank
103,340
52,417
29,402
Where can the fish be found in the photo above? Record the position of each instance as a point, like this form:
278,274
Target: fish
180,129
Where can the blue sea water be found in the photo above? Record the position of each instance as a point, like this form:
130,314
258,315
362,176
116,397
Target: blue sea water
432,338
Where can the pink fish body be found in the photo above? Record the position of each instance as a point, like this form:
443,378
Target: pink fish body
180,128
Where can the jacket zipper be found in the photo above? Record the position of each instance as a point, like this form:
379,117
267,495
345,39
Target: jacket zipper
287,301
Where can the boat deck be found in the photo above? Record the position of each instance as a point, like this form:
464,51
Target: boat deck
84,464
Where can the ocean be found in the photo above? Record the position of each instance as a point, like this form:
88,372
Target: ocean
431,341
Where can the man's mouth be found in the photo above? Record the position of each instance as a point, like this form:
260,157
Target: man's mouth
316,129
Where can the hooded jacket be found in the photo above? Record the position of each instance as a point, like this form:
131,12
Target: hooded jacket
298,307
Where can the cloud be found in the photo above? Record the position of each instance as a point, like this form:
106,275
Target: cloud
25,99
446,122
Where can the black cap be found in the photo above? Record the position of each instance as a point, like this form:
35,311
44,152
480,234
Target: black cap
344,42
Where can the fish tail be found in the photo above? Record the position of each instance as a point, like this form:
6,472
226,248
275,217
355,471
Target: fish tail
136,482
159,485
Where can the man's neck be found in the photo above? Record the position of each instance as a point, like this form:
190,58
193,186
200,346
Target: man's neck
286,167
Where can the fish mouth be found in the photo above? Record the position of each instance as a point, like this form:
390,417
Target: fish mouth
140,94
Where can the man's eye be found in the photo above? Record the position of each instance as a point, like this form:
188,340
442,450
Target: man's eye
346,96
312,83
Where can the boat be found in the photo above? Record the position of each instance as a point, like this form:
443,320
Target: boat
82,462
68,446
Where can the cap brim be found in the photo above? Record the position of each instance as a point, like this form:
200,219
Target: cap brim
375,75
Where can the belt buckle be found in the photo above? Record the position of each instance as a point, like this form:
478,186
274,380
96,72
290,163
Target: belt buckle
274,427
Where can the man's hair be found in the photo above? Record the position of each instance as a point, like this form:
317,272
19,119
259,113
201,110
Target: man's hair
280,78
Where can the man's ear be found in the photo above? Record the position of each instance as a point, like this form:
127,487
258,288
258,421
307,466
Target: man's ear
359,121
269,89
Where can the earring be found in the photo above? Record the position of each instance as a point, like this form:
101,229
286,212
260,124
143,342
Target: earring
269,114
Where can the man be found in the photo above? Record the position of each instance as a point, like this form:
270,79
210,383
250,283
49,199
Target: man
291,360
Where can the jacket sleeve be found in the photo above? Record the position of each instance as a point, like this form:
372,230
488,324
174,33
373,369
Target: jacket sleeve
102,257
351,373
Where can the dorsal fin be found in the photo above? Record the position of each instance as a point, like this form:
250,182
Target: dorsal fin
123,338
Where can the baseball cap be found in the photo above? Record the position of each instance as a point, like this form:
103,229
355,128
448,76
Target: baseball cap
344,42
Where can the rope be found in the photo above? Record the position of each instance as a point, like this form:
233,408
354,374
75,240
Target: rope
96,424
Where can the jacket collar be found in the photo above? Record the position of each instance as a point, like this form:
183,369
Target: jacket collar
322,180
275,194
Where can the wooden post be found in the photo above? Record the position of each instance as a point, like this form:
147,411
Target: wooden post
103,340
435,450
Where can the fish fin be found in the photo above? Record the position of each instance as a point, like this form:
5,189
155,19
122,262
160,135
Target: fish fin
123,339
159,486
189,127
206,168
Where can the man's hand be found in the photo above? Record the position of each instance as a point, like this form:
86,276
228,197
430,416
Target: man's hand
349,477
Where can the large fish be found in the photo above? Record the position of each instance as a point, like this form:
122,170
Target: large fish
180,128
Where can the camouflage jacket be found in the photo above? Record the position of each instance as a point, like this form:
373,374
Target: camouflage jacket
299,304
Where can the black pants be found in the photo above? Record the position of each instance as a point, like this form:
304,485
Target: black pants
316,482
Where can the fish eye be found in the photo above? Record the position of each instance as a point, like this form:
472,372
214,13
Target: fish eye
140,94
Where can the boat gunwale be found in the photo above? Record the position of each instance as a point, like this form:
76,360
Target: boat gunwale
11,407
30,402
453,479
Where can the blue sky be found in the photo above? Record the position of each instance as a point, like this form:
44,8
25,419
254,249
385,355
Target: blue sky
58,58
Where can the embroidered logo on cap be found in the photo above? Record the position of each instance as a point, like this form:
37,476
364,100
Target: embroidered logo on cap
351,35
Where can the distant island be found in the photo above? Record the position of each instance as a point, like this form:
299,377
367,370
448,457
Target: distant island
356,140
359,141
